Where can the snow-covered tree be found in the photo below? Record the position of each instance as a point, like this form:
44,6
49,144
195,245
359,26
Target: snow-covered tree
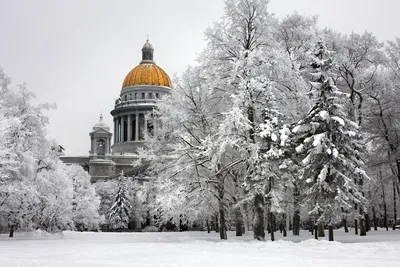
35,188
85,203
121,209
23,147
329,143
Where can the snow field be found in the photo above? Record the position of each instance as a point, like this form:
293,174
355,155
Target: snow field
379,248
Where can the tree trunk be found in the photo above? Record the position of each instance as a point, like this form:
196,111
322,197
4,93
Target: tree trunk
374,219
394,205
222,224
208,226
246,224
321,231
238,221
316,231
367,222
11,231
385,221
287,223
355,226
384,205
284,225
216,224
272,226
296,215
310,226
363,232
346,229
259,217
330,227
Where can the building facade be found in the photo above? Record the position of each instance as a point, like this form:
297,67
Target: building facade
113,152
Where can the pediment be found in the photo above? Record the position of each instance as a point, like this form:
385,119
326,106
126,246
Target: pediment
100,131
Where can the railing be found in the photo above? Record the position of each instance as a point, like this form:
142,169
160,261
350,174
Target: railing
131,103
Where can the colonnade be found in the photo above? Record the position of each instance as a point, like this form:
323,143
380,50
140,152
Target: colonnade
131,127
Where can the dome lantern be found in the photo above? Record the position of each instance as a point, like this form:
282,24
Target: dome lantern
101,124
147,52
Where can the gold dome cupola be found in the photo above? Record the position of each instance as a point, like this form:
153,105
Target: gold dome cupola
147,72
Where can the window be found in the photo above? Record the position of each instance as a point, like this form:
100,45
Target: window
126,97
130,96
151,95
143,95
157,95
101,147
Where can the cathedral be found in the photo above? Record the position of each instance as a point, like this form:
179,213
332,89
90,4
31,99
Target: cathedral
113,152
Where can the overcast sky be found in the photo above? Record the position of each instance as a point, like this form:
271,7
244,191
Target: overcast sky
76,53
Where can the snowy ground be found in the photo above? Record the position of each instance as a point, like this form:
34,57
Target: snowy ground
379,248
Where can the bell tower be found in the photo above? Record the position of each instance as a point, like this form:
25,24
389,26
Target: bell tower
100,163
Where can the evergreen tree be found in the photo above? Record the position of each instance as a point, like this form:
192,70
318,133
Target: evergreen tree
120,210
329,144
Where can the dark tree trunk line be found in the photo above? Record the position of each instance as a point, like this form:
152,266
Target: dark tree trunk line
344,222
259,217
367,222
356,226
222,223
296,215
330,232
11,231
316,231
374,219
259,198
272,225
384,203
321,230
216,224
394,205
221,195
238,221
284,225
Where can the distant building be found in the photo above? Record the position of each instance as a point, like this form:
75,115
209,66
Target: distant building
111,153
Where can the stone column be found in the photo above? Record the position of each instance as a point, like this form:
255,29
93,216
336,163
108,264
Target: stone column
115,130
107,150
92,145
122,128
129,127
94,148
137,127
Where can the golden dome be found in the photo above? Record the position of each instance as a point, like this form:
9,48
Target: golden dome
147,74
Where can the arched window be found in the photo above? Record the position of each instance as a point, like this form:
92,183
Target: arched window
101,147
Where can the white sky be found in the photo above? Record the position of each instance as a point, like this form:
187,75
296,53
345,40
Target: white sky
76,53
